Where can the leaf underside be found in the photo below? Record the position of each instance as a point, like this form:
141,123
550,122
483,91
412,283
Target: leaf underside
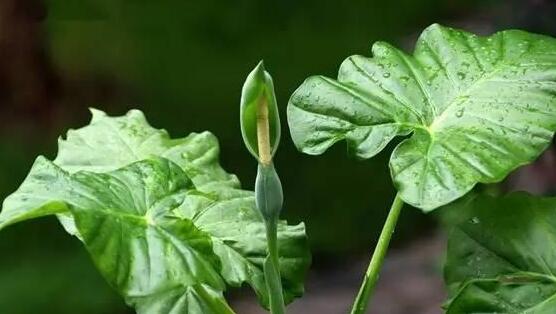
501,255
198,207
477,108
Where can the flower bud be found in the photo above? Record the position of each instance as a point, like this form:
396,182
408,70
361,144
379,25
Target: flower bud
260,123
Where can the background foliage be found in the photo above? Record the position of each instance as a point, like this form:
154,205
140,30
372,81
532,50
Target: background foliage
182,63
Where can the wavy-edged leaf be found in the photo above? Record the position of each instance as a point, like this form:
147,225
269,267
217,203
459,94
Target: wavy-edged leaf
236,229
216,206
239,240
126,221
38,196
109,143
502,255
478,107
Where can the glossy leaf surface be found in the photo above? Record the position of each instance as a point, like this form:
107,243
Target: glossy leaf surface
109,143
502,255
126,221
38,196
214,204
239,240
476,108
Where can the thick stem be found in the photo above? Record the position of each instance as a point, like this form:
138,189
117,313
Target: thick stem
272,270
371,276
272,262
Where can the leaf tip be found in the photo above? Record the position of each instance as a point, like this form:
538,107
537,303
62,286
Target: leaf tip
258,74
260,66
96,114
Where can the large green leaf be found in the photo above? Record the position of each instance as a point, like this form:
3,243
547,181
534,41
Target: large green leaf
126,221
502,255
477,108
239,240
109,143
216,206
238,231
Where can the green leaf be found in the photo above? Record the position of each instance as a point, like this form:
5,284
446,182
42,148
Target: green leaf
216,205
259,88
239,240
191,299
126,221
502,255
149,255
109,143
38,196
477,108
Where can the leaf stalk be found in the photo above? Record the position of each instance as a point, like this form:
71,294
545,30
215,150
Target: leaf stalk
371,276
272,270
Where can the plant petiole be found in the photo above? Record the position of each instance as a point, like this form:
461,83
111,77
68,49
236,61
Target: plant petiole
371,276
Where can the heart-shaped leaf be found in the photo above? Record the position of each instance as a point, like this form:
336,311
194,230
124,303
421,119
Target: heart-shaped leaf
215,205
126,221
478,107
502,255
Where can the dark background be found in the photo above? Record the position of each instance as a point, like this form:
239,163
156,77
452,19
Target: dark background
183,63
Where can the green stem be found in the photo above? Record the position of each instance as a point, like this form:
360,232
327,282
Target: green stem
272,270
371,276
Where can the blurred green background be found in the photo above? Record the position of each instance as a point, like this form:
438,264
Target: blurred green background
183,63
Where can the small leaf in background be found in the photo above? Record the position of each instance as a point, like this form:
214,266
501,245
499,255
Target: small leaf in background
501,255
477,108
258,94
